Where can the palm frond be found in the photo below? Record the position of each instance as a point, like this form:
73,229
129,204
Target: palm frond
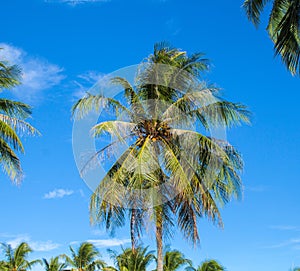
253,10
286,34
97,102
20,126
9,76
117,129
15,109
10,162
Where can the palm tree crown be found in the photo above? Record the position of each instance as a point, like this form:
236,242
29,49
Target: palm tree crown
85,258
175,260
54,265
209,265
129,260
16,259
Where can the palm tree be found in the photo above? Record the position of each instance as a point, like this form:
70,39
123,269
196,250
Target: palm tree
12,124
131,261
209,265
54,264
85,258
162,153
174,260
16,259
283,28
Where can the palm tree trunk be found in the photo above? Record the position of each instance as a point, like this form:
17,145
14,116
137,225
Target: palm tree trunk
132,233
159,241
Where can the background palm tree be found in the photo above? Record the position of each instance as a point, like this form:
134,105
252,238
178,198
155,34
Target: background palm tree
85,258
54,265
156,114
175,260
283,28
12,124
16,259
209,265
129,260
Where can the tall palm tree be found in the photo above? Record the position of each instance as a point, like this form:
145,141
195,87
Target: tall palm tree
162,153
16,259
209,265
283,28
54,265
12,124
85,258
131,261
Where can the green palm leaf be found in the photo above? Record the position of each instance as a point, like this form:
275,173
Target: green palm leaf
12,124
283,28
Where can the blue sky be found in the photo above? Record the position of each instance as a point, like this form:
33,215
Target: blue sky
63,47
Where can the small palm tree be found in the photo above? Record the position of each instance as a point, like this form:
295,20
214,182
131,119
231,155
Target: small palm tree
131,261
12,124
210,265
175,260
283,28
85,258
54,265
16,259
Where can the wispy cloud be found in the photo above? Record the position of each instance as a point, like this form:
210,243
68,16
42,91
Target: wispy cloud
15,240
98,232
44,246
58,193
291,243
172,26
37,73
257,188
86,80
284,228
75,2
81,193
100,243
294,243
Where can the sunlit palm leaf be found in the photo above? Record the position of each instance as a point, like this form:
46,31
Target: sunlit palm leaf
283,28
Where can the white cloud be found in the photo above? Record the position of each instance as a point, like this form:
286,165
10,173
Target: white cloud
81,193
86,81
292,242
284,228
74,243
100,243
35,245
257,188
44,246
98,232
37,74
17,239
58,193
172,26
75,2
